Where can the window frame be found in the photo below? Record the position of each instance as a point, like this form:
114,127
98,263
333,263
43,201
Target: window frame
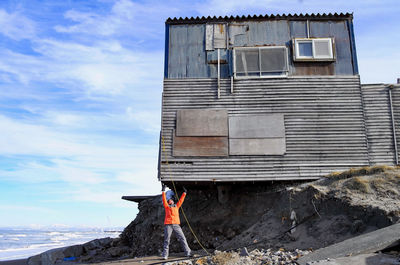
284,73
297,57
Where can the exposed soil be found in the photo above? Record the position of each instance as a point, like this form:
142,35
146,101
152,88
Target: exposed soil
335,208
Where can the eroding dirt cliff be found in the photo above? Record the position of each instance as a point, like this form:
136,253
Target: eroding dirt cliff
341,205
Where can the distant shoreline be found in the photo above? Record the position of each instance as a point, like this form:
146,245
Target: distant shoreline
14,262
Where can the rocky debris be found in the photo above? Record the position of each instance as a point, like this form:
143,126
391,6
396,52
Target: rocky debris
244,252
269,256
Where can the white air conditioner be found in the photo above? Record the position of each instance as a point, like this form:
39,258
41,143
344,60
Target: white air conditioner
313,49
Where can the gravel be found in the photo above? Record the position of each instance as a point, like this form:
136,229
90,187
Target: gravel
269,256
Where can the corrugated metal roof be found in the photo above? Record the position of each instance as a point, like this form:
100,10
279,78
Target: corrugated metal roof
289,16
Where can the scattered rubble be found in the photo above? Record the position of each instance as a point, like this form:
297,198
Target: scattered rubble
269,256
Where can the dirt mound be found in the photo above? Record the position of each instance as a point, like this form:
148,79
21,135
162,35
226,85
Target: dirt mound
334,208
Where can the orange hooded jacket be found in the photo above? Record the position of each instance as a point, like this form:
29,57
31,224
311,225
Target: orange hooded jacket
172,213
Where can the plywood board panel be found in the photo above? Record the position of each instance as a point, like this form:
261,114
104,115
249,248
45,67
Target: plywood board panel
266,146
200,146
314,68
202,122
209,37
219,36
257,126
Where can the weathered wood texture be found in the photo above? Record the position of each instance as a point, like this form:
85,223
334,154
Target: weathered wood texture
379,123
200,146
324,127
256,126
257,146
201,122
314,68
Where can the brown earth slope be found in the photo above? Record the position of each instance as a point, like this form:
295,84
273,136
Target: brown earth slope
341,205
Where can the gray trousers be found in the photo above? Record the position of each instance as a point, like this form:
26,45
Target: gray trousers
179,234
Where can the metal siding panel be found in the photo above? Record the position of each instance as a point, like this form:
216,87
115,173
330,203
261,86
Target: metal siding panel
237,36
338,30
268,33
196,55
213,72
200,146
353,46
257,34
298,29
271,146
256,126
343,65
166,51
202,122
212,57
177,51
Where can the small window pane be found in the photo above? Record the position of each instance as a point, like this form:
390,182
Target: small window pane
273,60
247,61
252,60
239,61
322,49
305,49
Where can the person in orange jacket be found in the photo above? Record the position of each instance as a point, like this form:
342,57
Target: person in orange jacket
172,223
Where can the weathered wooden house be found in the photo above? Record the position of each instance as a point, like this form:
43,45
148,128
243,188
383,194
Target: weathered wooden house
262,98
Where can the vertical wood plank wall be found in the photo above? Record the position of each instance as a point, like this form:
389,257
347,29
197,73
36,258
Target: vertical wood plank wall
324,127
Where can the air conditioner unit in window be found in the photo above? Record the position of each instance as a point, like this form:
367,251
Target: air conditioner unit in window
314,49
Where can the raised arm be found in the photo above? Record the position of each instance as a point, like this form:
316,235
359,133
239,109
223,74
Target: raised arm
164,198
181,200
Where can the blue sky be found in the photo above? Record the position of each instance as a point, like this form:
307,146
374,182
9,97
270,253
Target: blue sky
80,96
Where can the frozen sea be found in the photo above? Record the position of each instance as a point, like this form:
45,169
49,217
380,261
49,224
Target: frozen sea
20,243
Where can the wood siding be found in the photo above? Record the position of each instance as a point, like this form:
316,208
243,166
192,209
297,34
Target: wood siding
324,127
186,54
379,122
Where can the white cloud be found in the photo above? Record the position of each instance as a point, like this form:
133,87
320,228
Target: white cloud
126,18
92,170
32,139
16,26
149,121
104,68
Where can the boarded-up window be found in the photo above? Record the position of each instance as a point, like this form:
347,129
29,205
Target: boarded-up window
215,36
202,122
257,135
201,132
260,61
